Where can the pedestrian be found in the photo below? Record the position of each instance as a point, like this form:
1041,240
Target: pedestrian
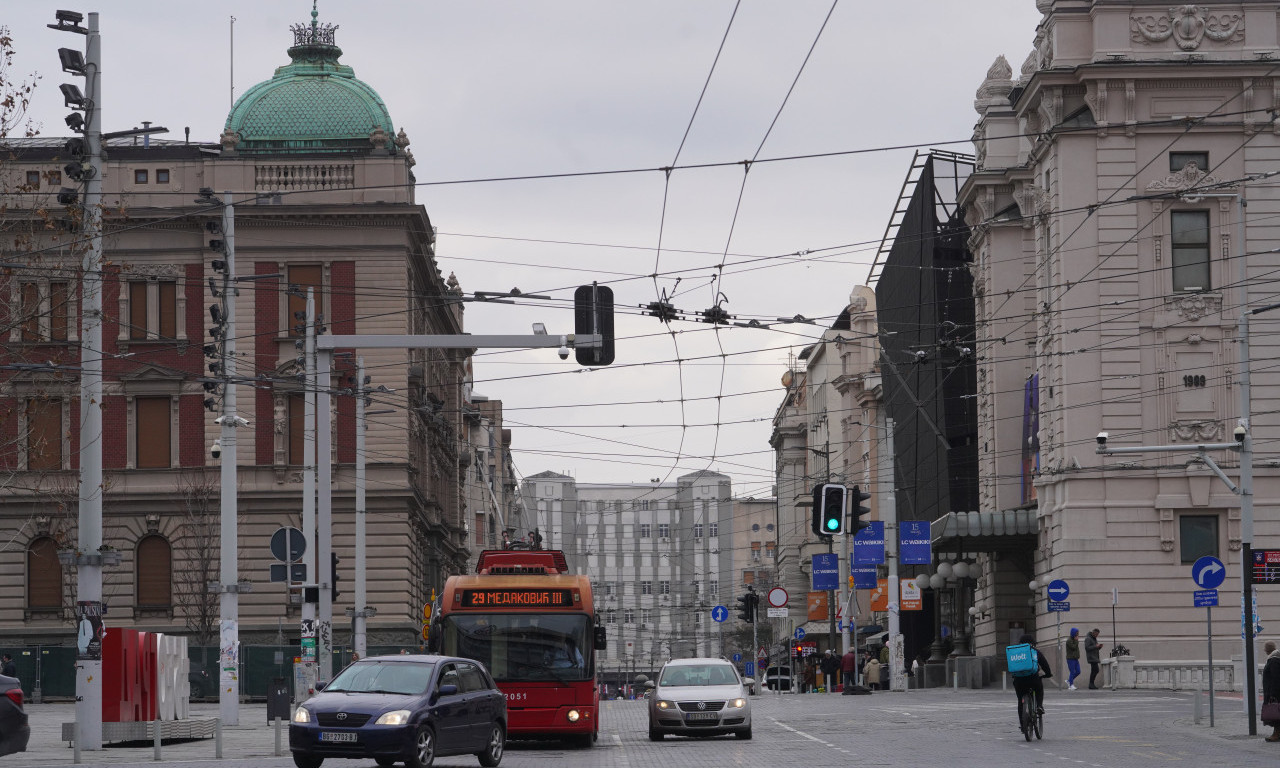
871,672
9,669
1092,651
1073,658
830,671
1271,685
849,669
810,679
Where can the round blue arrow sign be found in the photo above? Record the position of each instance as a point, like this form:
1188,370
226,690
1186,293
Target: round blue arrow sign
1208,572
719,613
1058,590
799,633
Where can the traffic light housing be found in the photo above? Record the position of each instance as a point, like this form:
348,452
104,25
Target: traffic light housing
747,607
829,509
333,576
859,510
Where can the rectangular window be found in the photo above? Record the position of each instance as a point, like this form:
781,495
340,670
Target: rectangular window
697,530
714,529
664,530
646,616
748,577
664,587
55,178
1179,160
644,530
33,178
1190,237
714,588
1197,537
611,616
628,616
162,175
140,176
304,276
608,589
153,310
646,587
59,310
151,432
479,529
297,426
644,504
44,434
30,312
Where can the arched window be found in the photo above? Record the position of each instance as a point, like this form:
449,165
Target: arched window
155,573
44,575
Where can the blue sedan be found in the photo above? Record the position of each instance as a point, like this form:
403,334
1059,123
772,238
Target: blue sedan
405,708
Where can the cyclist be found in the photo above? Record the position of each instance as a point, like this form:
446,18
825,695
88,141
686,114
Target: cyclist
1032,682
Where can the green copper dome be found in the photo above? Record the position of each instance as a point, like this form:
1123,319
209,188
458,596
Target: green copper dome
313,104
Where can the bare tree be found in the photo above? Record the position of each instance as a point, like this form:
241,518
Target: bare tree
198,561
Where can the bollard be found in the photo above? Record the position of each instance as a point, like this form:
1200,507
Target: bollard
1004,681
278,724
217,737
155,727
955,679
1196,710
75,758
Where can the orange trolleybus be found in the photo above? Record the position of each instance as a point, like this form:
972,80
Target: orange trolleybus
533,625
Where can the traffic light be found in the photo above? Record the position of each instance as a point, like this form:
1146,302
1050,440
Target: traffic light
828,509
856,523
333,576
747,607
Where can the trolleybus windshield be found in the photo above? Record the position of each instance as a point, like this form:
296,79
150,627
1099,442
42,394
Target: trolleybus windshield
521,646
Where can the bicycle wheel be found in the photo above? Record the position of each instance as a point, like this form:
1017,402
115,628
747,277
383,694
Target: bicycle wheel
1039,722
1026,715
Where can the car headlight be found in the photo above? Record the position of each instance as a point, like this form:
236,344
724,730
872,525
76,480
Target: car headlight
398,717
737,703
664,704
302,715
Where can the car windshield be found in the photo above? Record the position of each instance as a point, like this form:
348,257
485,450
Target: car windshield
698,674
373,676
519,647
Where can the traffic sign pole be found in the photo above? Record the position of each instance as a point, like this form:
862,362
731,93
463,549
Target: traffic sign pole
1208,623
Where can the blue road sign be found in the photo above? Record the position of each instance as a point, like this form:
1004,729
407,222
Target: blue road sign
868,544
1206,597
799,633
864,576
1058,590
738,657
1059,606
826,572
749,669
1208,572
719,613
914,547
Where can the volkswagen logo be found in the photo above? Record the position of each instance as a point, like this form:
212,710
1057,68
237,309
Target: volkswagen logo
342,715
702,705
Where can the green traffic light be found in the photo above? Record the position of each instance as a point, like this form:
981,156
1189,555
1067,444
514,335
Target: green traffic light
833,525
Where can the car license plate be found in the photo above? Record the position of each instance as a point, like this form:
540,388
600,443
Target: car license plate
702,716
332,736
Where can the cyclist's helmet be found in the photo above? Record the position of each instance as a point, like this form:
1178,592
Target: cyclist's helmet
1028,639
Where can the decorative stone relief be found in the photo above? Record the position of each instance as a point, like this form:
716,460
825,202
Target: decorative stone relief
1031,200
1197,431
229,139
1095,98
153,271
402,139
1029,65
1188,25
1190,176
1196,306
1051,107
1130,109
980,145
379,138
996,87
1166,530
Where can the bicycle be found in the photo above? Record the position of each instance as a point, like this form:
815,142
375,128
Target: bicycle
1029,717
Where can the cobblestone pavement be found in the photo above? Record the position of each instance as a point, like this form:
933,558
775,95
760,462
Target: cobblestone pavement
1099,729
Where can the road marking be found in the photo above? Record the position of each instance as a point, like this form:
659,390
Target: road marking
799,732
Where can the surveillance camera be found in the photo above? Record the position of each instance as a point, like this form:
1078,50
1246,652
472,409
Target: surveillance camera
235,421
564,353
1102,438
216,449
1240,432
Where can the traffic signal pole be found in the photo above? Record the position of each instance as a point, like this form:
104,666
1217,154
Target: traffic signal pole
897,680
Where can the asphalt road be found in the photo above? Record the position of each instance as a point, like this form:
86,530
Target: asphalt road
939,727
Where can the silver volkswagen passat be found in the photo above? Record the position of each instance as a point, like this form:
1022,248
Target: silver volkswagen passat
699,697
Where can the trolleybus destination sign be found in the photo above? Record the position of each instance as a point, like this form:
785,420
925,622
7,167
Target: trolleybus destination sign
475,598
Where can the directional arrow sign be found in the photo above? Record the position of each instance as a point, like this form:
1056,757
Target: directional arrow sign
1208,572
719,613
1058,590
799,633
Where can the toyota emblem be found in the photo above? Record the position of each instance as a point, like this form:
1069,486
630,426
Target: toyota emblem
342,715
702,705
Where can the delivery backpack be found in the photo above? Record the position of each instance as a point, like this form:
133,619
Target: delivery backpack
1022,660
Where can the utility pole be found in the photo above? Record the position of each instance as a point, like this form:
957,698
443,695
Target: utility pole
360,615
324,514
309,499
897,680
88,556
229,626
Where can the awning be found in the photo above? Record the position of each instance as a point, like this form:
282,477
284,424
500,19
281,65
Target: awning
876,639
966,525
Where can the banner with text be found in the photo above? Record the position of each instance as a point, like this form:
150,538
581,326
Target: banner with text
868,545
913,542
826,571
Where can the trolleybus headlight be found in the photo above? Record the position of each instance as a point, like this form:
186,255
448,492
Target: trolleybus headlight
574,715
737,704
399,717
302,715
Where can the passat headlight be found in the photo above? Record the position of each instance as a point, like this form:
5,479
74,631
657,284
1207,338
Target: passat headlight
302,715
398,717
664,704
737,704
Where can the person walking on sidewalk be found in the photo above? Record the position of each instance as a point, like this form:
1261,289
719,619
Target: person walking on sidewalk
1073,658
8,668
830,671
849,669
1092,654
1271,684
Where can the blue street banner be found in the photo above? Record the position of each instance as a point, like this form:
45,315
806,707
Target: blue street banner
826,572
868,545
913,543
864,576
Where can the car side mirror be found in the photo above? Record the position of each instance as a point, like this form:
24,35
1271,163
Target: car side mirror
321,686
601,642
448,689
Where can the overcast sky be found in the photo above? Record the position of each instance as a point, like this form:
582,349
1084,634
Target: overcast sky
499,89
